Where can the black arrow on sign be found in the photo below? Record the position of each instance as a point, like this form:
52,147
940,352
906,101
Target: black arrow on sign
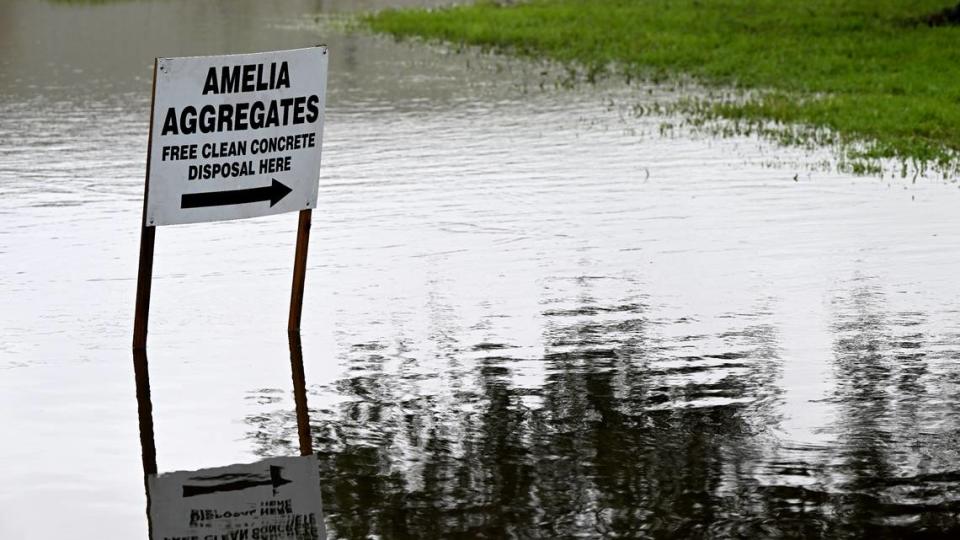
273,193
275,480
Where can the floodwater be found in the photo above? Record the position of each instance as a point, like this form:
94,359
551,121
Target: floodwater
528,314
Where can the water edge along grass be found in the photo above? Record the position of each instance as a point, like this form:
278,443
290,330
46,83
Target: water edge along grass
870,76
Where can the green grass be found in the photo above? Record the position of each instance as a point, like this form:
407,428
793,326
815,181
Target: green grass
885,86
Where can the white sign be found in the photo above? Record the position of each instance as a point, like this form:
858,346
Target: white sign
236,136
274,499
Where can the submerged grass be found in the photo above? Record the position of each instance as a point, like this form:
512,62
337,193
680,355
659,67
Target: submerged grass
884,82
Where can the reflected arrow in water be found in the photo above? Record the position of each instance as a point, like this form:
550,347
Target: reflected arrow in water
275,480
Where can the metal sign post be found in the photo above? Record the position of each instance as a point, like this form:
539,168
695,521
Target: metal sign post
299,272
147,239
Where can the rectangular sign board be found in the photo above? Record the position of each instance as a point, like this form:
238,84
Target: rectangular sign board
235,136
274,499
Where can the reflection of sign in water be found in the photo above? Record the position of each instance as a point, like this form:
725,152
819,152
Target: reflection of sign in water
232,483
236,136
274,499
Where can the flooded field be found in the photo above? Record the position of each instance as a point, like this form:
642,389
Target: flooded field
527,313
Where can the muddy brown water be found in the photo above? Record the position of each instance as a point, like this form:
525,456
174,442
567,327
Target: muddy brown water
527,314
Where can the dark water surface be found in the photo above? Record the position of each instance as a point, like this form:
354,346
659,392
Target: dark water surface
527,313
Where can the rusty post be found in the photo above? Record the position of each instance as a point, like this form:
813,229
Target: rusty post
299,271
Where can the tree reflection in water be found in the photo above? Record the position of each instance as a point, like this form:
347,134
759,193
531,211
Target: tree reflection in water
628,434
